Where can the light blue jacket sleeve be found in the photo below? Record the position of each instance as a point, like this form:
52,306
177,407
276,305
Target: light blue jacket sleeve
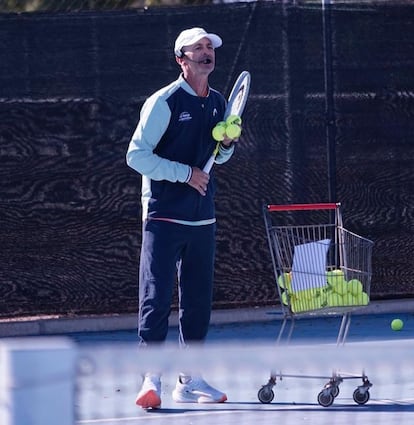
154,119
224,154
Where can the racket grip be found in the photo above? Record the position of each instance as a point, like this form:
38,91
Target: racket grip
209,165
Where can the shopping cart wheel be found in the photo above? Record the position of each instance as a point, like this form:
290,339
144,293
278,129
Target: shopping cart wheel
265,394
335,391
325,398
361,397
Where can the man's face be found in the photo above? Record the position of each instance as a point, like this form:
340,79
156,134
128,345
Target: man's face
199,57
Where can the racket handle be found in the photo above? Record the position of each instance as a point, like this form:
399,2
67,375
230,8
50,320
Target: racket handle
209,165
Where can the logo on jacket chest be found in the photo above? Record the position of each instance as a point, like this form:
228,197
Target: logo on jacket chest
184,116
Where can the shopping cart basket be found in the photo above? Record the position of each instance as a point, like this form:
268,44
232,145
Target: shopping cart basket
320,268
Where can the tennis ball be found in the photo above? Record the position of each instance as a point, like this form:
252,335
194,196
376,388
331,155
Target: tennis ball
334,276
298,305
355,287
284,280
219,131
349,299
361,299
340,287
233,131
334,300
233,119
397,324
293,306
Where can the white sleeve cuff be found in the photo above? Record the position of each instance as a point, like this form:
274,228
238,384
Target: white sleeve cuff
189,175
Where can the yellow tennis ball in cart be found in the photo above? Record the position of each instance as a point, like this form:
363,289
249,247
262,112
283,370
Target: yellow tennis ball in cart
340,287
334,276
397,324
284,280
233,131
362,299
355,287
334,300
349,299
285,299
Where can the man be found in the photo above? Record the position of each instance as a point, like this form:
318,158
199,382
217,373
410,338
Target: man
170,146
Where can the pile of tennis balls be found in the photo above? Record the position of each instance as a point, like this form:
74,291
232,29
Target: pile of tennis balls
337,293
230,128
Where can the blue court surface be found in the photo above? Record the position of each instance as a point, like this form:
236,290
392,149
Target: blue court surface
238,359
364,327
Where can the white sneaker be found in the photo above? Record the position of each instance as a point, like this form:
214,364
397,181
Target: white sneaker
149,396
196,390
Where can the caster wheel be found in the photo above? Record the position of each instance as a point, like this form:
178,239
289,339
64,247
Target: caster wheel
325,398
335,391
360,397
265,395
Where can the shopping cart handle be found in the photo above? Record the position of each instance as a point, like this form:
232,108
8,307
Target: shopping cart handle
303,207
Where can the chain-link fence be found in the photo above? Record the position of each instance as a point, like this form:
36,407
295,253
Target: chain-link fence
27,6
71,86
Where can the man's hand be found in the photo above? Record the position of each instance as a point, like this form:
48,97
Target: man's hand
199,180
227,142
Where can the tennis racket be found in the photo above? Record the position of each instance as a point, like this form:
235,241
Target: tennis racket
235,106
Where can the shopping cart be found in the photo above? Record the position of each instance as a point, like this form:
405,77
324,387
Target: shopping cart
319,269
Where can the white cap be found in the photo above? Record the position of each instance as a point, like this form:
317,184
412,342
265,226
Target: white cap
191,36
